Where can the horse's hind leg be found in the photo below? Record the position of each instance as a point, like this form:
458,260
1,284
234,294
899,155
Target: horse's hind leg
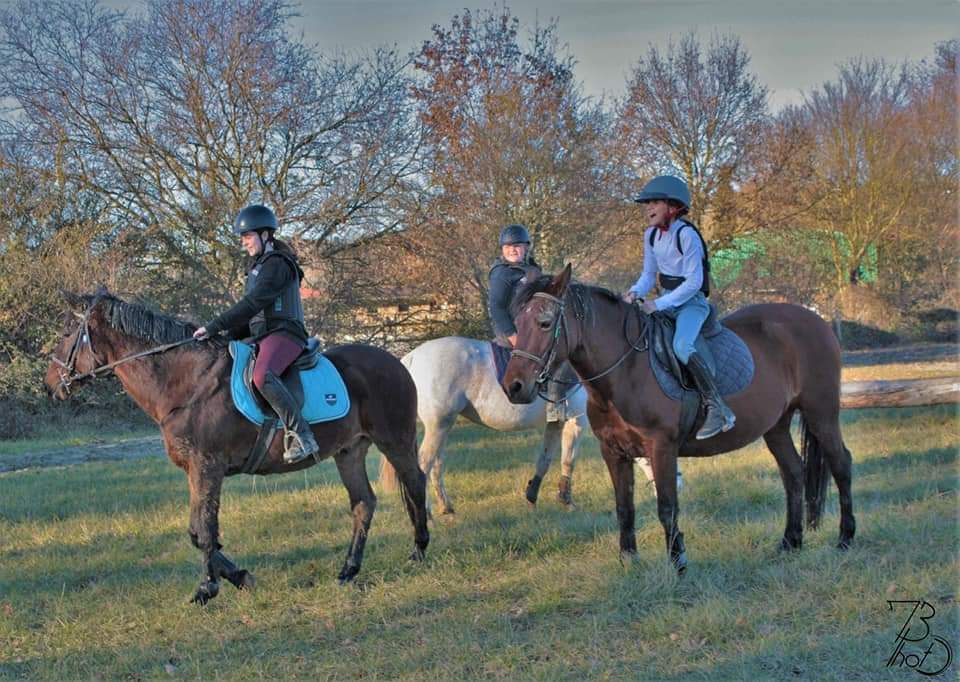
432,452
825,441
413,492
351,465
781,445
572,430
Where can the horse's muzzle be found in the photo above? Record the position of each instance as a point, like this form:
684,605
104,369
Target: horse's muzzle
519,392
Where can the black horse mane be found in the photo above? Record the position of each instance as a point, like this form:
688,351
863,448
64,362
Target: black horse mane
137,320
580,293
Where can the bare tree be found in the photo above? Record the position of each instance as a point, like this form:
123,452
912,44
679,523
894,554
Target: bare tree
178,117
864,172
511,140
699,115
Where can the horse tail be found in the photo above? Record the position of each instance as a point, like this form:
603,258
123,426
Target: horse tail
815,474
388,475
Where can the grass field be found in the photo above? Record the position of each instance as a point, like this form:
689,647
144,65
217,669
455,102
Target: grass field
96,570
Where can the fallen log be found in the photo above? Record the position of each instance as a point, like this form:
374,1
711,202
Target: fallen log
909,393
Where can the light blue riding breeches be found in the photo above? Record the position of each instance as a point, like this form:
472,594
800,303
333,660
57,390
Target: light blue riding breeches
689,317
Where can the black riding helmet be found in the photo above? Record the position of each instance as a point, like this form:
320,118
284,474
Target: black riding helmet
254,218
514,234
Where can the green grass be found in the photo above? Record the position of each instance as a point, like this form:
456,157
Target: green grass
96,570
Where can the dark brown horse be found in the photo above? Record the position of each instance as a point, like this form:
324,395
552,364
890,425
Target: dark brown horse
184,387
797,367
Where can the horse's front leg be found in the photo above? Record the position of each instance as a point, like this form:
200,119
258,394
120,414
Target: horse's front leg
621,473
551,445
206,479
663,459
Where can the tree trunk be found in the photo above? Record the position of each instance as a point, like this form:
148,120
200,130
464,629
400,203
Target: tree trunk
860,394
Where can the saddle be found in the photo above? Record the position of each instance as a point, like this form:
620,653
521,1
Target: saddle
725,353
312,379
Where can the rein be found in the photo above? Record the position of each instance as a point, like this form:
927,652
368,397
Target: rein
83,339
560,327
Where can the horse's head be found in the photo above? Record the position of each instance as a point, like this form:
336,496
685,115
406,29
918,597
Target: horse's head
543,339
74,357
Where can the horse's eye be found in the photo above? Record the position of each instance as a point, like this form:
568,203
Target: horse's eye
545,321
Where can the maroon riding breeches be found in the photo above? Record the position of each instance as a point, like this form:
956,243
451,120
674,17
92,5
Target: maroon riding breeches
277,352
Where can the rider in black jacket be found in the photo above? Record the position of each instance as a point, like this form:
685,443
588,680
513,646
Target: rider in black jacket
272,313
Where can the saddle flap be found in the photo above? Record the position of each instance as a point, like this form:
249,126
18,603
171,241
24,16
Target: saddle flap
726,354
711,326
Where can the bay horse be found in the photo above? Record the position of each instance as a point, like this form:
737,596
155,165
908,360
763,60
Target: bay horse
797,367
184,386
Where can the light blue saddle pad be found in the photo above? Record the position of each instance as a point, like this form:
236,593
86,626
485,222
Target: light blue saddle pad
325,394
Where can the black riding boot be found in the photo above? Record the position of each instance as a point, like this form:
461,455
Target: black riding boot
299,440
719,416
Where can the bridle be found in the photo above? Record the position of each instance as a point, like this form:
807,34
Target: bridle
559,327
67,371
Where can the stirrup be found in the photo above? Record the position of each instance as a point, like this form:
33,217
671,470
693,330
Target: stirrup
294,449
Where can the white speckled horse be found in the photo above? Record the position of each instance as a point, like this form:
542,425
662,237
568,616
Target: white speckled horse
455,376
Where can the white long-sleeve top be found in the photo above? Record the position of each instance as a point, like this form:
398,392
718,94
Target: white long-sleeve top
665,258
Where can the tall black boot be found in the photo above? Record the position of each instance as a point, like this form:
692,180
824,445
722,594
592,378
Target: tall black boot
299,440
719,416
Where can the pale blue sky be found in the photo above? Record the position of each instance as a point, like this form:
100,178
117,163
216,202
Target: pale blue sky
795,45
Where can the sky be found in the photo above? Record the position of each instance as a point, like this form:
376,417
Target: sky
795,45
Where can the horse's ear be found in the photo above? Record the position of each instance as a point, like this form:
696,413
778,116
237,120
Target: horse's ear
531,273
558,285
73,300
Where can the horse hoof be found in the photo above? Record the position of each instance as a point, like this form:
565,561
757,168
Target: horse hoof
680,563
347,574
207,591
786,546
417,554
246,581
628,558
533,489
844,545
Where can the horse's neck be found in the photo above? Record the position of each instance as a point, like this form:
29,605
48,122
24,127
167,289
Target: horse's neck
149,381
603,344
